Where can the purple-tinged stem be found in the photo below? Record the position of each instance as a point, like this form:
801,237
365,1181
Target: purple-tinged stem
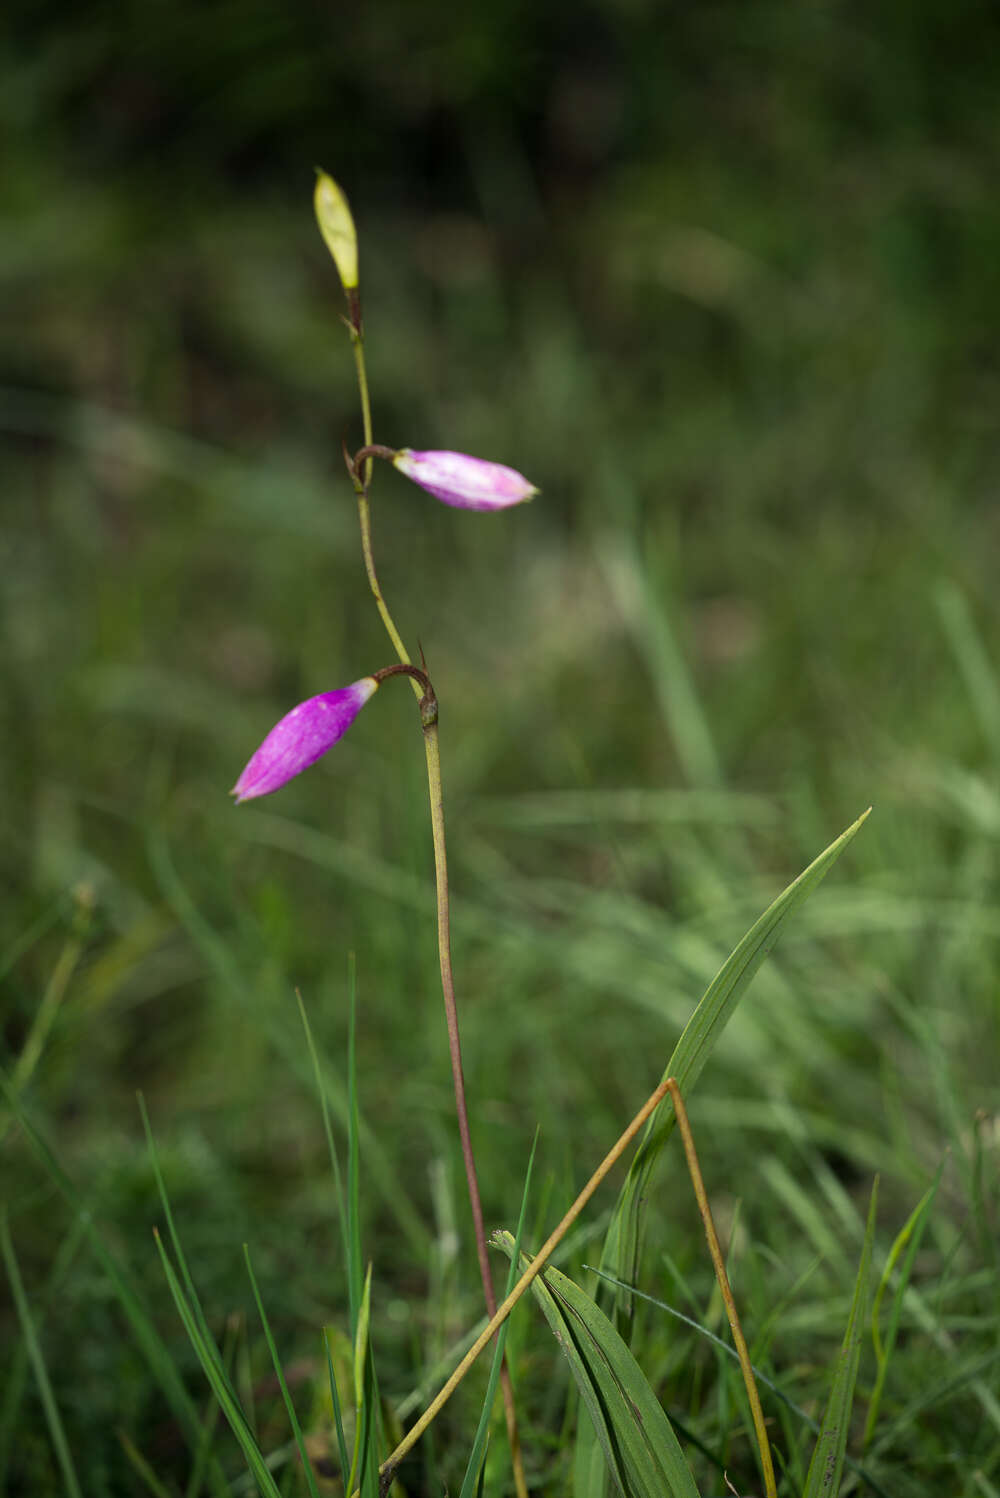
434,787
361,476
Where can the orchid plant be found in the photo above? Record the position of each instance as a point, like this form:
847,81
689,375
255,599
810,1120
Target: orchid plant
311,728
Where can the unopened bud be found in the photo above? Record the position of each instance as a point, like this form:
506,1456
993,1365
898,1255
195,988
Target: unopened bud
337,228
301,738
468,483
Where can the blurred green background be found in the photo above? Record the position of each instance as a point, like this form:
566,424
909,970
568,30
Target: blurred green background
724,281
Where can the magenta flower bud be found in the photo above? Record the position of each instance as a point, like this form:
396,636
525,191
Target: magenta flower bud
301,738
469,483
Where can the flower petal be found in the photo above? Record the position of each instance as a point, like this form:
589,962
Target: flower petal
301,738
468,483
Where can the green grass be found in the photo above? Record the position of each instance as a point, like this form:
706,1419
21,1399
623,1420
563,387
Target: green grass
744,348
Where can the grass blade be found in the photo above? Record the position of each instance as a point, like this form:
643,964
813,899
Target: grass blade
364,1463
623,1242
202,1451
909,1239
695,1046
221,1387
279,1373
11,1427
642,1452
603,1441
730,1352
338,1414
355,1270
52,1418
327,1124
827,1465
189,1286
230,1351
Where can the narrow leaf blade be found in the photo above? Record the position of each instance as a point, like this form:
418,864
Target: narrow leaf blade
827,1465
623,1241
643,1454
699,1038
220,1386
279,1372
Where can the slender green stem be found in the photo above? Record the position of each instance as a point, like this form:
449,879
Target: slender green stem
364,515
712,1237
362,482
428,711
358,345
434,788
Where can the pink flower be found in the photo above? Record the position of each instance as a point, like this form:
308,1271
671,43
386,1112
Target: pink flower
302,737
469,483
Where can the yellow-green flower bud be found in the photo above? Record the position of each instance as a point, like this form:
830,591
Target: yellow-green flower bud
337,228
